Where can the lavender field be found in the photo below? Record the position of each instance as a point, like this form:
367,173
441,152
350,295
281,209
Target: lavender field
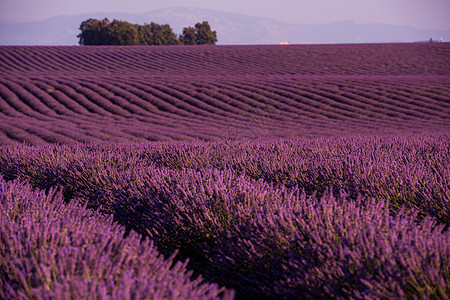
221,172
87,94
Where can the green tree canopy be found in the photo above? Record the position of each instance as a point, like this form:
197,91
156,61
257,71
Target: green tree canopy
201,34
145,35
122,33
94,32
204,34
104,32
188,36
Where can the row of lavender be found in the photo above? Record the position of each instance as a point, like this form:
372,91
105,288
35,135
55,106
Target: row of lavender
53,250
67,111
276,219
332,97
375,59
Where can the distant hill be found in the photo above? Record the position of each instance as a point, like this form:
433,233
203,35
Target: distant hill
231,29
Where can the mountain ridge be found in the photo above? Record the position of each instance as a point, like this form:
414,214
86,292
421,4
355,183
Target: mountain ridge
231,29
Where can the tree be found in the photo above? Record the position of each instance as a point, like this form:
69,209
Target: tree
94,32
204,35
156,34
122,33
169,36
188,36
145,35
104,32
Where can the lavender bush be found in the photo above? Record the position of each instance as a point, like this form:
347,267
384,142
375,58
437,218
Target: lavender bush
337,249
329,218
409,170
52,250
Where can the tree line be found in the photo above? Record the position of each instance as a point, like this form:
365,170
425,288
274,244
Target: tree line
104,32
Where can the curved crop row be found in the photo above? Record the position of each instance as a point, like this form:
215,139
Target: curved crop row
210,93
377,59
212,109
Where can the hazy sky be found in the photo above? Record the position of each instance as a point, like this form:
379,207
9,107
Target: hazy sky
418,13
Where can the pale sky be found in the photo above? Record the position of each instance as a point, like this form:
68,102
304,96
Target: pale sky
422,14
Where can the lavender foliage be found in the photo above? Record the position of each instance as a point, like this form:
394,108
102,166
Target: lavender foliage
361,217
306,171
53,250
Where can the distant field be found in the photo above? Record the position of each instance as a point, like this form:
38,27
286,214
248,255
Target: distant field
82,94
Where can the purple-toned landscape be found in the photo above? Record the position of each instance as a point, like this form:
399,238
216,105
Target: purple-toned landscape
88,94
225,172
